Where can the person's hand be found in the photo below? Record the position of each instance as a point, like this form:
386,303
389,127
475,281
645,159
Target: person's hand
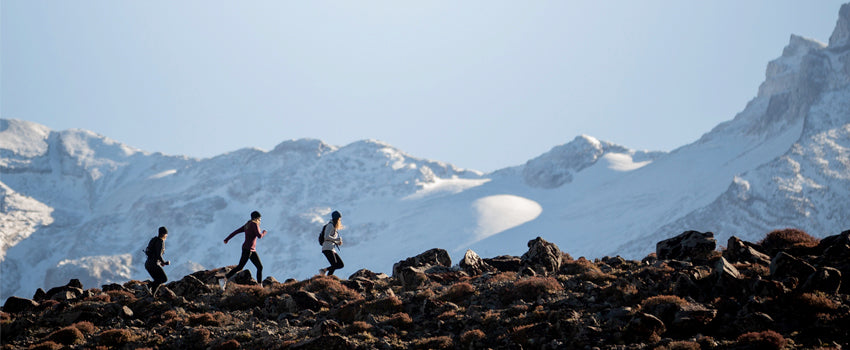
225,241
264,231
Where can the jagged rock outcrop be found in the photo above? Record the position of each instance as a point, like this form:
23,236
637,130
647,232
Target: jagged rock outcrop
610,302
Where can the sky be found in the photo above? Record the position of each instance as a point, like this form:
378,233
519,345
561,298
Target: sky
479,84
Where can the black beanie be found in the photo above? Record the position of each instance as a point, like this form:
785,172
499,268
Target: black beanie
255,214
336,215
163,230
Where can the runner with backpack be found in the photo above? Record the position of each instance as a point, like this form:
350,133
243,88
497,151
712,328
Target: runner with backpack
249,248
329,238
154,261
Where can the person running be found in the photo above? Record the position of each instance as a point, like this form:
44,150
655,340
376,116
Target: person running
249,248
154,262
332,239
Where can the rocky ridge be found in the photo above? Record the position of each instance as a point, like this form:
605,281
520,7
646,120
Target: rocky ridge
787,291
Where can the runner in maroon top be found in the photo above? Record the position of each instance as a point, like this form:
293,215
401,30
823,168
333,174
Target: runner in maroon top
249,248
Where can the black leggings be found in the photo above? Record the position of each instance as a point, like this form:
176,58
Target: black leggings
334,259
255,259
157,273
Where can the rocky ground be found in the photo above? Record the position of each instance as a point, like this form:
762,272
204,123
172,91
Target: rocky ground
787,291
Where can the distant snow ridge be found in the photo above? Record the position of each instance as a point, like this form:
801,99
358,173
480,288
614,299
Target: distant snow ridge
559,165
74,204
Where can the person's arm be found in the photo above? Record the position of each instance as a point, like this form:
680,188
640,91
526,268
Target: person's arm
338,239
157,248
260,234
238,230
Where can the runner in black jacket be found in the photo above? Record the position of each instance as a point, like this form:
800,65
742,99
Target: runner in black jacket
154,263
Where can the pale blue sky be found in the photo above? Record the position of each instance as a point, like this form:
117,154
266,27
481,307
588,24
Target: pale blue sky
479,84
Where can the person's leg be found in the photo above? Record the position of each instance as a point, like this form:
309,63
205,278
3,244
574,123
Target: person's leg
242,261
338,264
329,254
159,278
255,259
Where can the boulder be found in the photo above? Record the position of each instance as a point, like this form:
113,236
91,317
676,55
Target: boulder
426,260
308,300
189,286
741,251
39,295
690,246
785,265
75,283
645,327
268,281
473,264
725,271
244,277
825,279
505,263
412,278
542,257
64,293
15,305
368,275
692,318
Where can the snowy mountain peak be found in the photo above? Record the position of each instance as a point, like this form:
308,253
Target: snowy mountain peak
22,139
558,166
303,146
782,73
841,35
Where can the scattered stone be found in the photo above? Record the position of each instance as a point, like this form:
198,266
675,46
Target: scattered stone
430,258
741,251
473,264
690,246
785,265
542,257
17,305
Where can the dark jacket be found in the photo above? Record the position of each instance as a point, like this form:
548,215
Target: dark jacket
156,247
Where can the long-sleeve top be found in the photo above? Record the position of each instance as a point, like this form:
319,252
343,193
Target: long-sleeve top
252,233
331,237
156,247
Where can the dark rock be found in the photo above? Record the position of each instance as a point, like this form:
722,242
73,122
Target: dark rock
359,284
473,264
325,327
825,279
692,318
243,277
690,246
505,263
430,258
269,281
369,275
39,295
741,251
75,283
543,257
189,286
726,271
645,327
412,278
308,300
784,265
64,293
113,286
17,305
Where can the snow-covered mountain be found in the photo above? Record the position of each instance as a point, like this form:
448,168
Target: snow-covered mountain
74,204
